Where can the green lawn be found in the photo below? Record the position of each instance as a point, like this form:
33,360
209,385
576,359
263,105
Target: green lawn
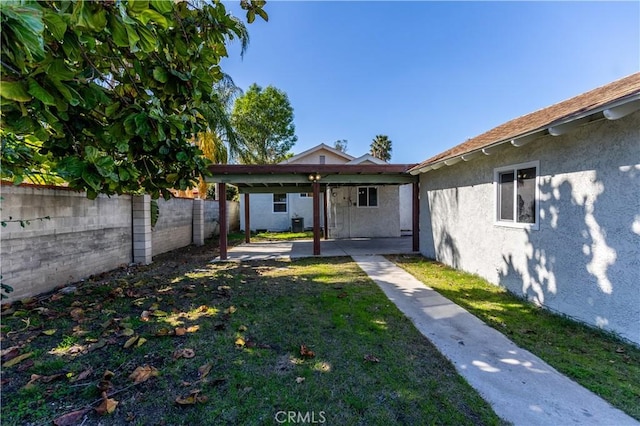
597,360
221,343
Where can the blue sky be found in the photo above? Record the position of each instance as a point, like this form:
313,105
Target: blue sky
430,74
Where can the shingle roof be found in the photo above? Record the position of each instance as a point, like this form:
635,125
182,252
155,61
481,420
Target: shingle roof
543,118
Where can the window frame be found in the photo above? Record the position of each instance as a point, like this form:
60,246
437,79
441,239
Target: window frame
306,195
497,191
274,203
367,188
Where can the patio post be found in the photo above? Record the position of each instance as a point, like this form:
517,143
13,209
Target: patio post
316,217
326,220
222,213
247,227
416,216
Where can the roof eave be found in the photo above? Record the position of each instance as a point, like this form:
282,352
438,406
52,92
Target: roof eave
611,111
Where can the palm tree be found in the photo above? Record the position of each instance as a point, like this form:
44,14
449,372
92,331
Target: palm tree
220,144
381,147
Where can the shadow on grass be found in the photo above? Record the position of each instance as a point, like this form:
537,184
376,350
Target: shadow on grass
227,337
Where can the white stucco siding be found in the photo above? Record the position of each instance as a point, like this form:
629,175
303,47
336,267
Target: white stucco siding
263,216
347,220
329,158
584,260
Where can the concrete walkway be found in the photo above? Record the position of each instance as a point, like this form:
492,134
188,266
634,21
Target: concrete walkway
521,388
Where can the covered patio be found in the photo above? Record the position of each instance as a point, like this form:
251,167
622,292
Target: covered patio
311,178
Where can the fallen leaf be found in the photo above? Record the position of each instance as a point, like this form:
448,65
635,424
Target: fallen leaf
24,366
159,313
71,419
10,353
81,376
183,353
17,360
299,379
144,316
306,352
342,295
371,358
231,309
77,314
203,308
193,398
193,329
108,375
180,331
130,342
50,332
107,406
242,328
620,350
141,341
240,342
163,332
144,373
34,378
127,332
204,370
98,345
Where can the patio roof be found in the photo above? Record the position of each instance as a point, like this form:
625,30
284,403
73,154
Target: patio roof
281,178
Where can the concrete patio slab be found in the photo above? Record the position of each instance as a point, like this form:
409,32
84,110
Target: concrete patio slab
328,248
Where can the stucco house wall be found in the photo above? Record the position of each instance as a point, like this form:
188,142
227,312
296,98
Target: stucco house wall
263,216
347,220
584,260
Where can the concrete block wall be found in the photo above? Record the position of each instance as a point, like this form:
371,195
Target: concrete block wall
87,237
174,227
83,237
211,215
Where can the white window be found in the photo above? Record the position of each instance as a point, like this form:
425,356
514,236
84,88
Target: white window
279,203
306,195
517,195
323,159
367,196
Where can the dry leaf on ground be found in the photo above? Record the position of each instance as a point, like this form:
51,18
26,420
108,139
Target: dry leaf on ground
204,370
107,406
371,358
143,373
306,352
191,399
183,353
71,419
17,360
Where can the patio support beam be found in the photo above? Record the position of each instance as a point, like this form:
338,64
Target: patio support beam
416,216
222,213
247,226
326,220
316,218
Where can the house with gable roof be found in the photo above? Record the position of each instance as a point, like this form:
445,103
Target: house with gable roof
345,211
548,206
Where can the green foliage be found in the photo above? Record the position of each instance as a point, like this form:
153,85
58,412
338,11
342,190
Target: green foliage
264,121
155,213
341,145
109,95
381,147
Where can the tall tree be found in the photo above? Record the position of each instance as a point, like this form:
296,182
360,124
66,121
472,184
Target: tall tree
341,145
381,147
109,95
219,143
264,121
